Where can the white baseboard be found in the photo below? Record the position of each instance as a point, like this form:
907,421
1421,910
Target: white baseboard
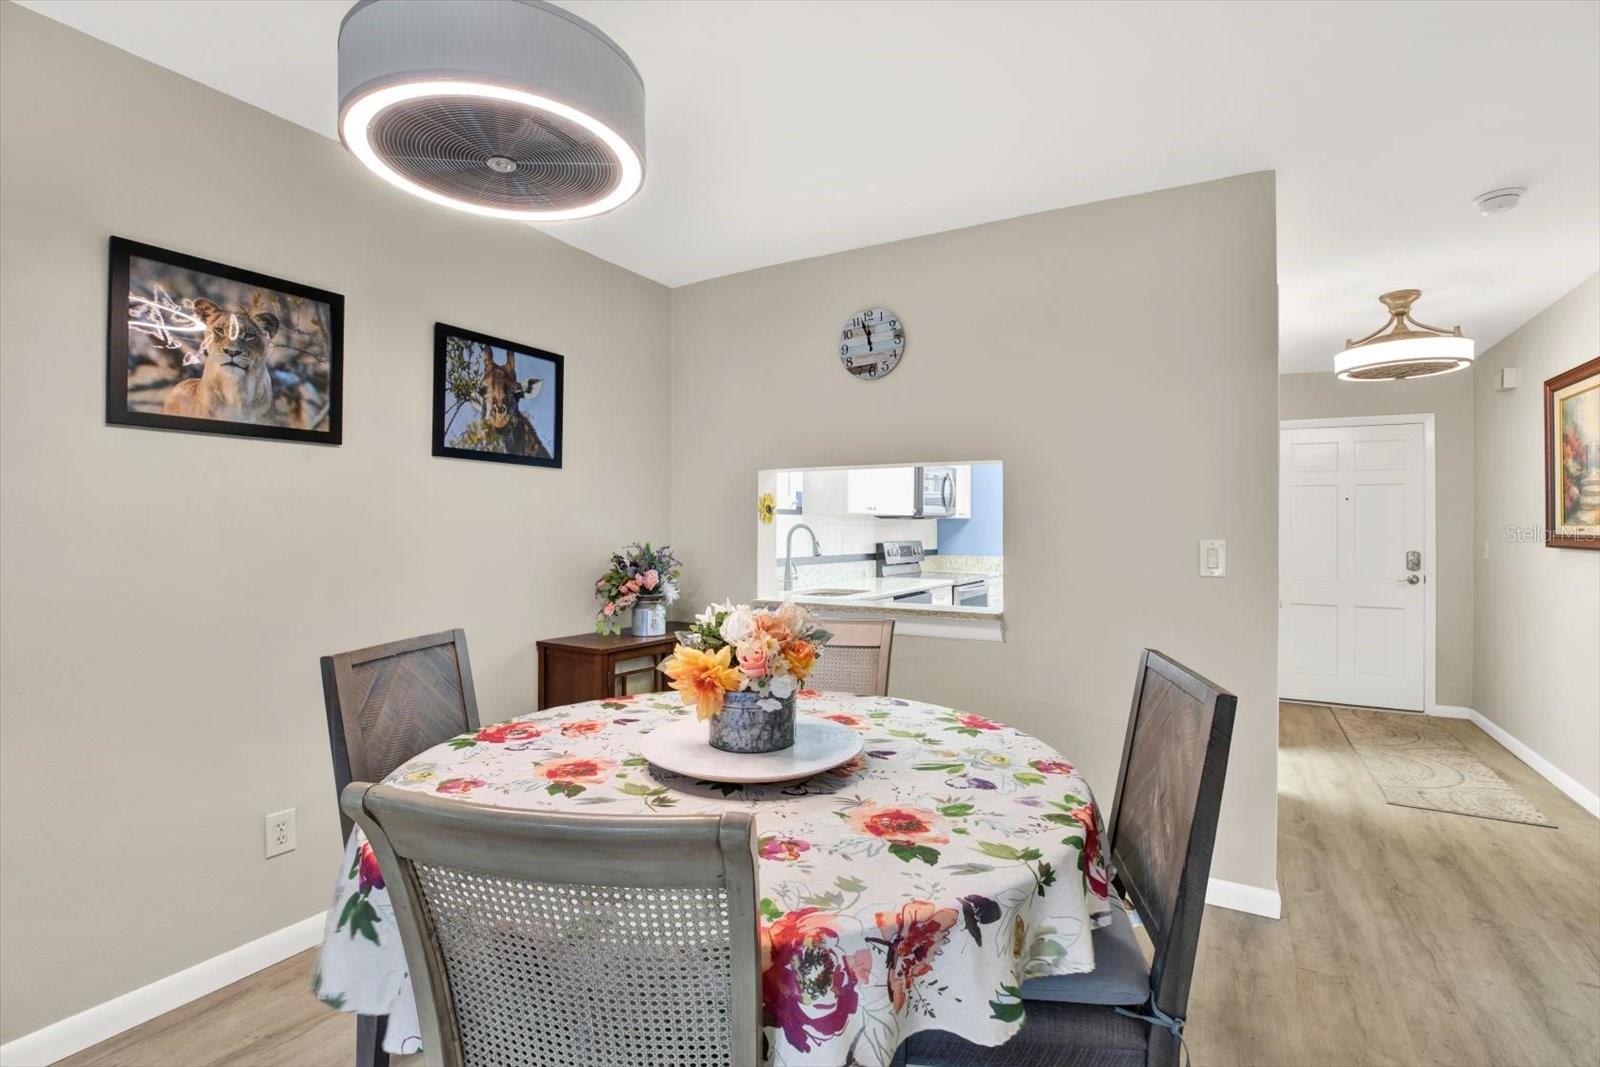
1557,777
1451,711
1236,896
93,1025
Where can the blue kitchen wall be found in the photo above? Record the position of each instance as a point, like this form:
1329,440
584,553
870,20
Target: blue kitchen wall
981,534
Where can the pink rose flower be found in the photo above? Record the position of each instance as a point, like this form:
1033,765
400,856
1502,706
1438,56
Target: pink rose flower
367,864
651,579
753,660
609,610
782,849
1051,766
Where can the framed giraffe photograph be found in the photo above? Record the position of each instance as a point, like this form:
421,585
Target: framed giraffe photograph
495,399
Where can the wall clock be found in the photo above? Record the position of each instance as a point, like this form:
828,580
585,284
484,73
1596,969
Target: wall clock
871,343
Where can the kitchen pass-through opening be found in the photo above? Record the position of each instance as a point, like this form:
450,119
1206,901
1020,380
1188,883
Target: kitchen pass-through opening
923,543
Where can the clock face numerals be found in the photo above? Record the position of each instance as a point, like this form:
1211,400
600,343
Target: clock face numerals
871,343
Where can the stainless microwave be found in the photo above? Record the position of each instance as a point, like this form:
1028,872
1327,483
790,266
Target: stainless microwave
936,491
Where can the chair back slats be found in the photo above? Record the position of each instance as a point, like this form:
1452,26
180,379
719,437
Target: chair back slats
389,702
571,940
1164,823
856,659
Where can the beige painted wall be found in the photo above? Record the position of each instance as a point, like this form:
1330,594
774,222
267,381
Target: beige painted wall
152,685
1121,359
1538,617
1449,400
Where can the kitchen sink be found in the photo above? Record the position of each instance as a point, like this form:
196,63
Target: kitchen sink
829,592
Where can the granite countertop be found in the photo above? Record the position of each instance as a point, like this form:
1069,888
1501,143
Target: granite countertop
889,609
874,588
875,597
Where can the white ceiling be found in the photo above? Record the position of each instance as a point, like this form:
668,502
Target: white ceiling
779,131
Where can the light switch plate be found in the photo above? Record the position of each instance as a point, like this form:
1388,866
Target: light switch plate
1213,559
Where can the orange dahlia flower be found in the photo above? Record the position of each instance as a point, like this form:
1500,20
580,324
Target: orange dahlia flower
701,678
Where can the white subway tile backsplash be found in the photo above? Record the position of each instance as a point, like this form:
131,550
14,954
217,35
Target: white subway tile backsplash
854,534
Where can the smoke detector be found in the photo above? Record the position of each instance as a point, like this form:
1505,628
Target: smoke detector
515,109
1403,347
1498,201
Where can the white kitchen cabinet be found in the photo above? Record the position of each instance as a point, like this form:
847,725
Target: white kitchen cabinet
787,490
825,492
882,491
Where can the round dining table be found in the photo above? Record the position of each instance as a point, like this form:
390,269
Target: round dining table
913,887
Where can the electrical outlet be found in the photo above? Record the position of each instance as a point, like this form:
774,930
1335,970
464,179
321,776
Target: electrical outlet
280,833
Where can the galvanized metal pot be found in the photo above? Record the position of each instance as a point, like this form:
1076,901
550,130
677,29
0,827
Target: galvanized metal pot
650,616
744,726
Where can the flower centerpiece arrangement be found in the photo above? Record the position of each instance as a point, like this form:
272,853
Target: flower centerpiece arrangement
642,578
741,667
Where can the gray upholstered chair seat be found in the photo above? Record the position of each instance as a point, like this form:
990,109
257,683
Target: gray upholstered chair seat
1079,1035
1120,976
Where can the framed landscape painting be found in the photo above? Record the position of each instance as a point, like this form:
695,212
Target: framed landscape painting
202,346
495,399
1572,458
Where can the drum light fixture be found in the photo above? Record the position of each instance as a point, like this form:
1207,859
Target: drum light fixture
514,109
1403,347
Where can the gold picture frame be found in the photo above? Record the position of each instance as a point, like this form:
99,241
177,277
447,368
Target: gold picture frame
1572,458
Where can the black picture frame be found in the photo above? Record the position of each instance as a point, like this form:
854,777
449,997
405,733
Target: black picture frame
118,413
441,334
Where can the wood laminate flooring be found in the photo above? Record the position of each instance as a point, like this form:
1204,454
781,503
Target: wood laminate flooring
1408,937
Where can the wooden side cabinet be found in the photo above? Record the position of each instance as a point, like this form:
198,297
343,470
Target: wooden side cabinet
592,666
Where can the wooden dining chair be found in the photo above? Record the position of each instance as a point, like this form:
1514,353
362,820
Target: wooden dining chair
385,704
1127,1013
389,702
571,940
856,659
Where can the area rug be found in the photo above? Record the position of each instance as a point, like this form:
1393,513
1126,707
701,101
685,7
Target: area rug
1418,763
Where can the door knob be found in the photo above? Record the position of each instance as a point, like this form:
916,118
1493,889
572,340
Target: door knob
1410,579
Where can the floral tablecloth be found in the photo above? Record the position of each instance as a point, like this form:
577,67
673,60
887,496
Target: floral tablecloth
912,888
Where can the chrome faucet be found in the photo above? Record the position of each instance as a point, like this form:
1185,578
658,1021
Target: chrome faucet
788,552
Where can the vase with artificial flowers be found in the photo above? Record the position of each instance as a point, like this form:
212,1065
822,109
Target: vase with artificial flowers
741,667
644,579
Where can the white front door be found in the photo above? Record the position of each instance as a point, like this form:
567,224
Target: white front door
1352,504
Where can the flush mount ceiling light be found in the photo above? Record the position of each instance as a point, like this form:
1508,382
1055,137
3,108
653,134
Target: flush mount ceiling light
1403,347
515,109
1498,201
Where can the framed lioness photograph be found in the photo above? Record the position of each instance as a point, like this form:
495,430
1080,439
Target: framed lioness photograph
495,399
205,347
